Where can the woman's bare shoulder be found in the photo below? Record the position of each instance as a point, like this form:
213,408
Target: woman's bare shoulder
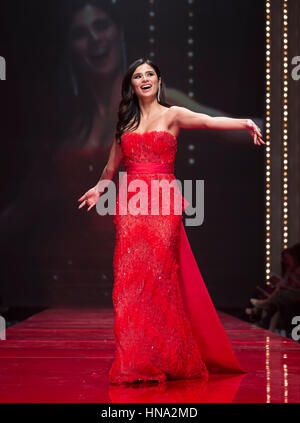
171,120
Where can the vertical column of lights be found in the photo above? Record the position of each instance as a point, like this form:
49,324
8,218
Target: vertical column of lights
285,380
268,142
151,29
190,54
285,126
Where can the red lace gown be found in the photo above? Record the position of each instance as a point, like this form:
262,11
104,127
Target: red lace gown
165,325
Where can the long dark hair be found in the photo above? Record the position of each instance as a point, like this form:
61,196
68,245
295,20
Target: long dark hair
129,109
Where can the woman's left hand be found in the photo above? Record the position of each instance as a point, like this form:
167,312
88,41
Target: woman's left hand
255,132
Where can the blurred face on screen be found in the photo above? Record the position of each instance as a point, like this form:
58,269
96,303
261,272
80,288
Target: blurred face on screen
95,40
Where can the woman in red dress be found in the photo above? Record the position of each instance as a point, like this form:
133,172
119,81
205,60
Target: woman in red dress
165,325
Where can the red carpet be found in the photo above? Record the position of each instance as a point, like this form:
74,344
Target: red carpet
64,355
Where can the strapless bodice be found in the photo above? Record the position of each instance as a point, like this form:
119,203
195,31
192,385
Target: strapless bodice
149,147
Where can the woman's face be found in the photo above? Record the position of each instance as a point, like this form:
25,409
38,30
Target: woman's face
95,40
145,75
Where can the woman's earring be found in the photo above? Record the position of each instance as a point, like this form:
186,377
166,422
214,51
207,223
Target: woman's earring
158,93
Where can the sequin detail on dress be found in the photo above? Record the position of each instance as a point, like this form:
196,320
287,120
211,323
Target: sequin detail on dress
153,336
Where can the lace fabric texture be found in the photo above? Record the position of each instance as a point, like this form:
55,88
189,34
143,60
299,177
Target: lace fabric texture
153,336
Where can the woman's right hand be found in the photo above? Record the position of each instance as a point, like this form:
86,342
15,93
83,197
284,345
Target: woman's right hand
254,131
90,198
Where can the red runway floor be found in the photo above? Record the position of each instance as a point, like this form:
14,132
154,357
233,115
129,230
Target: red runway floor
64,355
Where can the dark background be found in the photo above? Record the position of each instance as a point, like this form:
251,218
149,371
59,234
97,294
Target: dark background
53,255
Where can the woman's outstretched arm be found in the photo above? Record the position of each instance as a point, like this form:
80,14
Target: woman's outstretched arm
91,197
186,118
114,160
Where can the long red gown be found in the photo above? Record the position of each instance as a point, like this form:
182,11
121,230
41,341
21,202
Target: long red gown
165,325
